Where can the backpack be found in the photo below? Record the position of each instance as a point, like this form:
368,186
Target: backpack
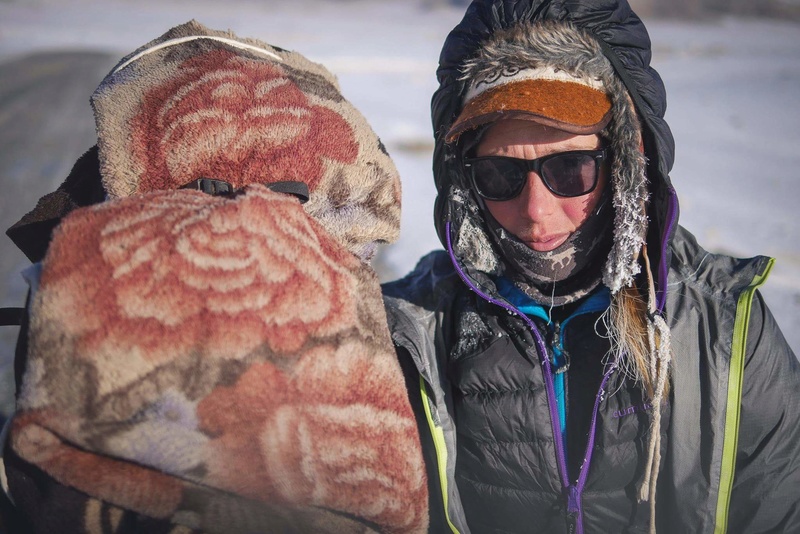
204,347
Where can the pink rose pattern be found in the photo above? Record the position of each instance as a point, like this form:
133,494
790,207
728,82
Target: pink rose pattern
240,325
226,117
177,272
354,450
206,109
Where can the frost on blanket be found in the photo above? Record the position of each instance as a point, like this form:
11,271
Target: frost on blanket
223,363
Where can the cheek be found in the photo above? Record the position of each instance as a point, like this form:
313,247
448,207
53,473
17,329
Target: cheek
578,209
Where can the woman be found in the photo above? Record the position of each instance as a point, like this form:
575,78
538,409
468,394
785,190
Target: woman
582,364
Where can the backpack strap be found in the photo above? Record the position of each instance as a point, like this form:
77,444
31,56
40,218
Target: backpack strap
11,316
216,187
298,189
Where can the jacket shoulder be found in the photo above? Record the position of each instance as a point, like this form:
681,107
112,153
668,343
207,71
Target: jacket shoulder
431,279
416,303
713,274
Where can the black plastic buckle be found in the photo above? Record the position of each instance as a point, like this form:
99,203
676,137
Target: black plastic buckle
211,186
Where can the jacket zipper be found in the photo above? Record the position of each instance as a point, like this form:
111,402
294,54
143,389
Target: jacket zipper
573,494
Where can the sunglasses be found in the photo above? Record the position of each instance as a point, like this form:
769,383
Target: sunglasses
566,174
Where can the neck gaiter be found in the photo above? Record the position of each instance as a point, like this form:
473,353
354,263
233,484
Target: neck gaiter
567,273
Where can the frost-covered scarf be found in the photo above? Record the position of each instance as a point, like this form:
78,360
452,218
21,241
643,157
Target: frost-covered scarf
565,274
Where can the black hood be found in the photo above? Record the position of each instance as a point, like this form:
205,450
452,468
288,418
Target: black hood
624,41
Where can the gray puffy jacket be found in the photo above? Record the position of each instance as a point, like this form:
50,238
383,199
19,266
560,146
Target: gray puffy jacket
732,453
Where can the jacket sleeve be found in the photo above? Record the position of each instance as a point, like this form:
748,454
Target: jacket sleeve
766,488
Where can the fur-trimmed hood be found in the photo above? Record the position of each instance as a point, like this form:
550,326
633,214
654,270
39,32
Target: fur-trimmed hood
471,48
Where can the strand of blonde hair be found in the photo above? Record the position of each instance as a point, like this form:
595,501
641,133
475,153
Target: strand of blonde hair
641,343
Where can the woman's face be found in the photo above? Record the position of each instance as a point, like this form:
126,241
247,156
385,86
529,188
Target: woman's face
537,217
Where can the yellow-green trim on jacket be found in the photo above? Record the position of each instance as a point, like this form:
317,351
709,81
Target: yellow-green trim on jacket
734,400
441,451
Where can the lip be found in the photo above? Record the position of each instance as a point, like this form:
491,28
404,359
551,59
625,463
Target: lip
547,243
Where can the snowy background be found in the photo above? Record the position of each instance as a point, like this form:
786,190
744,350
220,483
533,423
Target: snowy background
733,87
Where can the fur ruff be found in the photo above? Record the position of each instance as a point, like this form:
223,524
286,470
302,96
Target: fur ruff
562,46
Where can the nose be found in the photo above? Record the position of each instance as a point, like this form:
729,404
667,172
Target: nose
539,200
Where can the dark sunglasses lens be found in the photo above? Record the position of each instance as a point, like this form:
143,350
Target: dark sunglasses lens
498,178
570,175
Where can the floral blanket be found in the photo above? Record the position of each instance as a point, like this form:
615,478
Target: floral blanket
219,363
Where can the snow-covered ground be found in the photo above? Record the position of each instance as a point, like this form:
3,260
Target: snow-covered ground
732,85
